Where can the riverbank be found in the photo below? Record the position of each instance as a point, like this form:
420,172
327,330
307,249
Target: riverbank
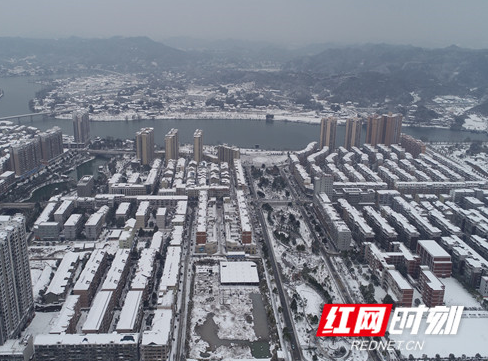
44,191
309,118
306,118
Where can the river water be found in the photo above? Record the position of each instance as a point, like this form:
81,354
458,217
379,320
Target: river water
242,133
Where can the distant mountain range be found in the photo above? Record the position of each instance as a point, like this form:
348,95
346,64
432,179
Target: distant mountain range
369,73
366,74
118,52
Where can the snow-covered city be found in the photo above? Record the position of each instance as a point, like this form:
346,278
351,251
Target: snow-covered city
215,252
243,181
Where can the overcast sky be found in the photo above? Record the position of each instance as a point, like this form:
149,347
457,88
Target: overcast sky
430,23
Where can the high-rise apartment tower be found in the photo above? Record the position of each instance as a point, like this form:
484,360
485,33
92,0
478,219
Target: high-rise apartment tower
353,133
16,300
384,129
198,145
81,127
145,145
328,127
25,157
51,143
172,145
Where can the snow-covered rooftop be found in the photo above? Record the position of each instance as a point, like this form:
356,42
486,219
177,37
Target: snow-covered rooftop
171,268
63,274
238,272
91,268
116,270
65,315
128,315
97,311
92,339
161,328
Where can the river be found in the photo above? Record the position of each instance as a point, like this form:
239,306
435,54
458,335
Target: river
242,133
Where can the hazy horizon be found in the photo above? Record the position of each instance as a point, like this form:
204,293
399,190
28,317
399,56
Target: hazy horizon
433,24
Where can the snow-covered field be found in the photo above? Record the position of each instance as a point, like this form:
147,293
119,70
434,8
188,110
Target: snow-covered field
264,157
42,323
472,338
313,303
232,313
456,295
43,252
476,122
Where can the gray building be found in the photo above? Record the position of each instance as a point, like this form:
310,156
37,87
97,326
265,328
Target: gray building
172,145
145,145
81,127
85,186
51,144
25,157
107,347
198,145
16,300
227,154
328,130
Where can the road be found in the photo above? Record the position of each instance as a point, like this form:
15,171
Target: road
107,151
290,325
179,351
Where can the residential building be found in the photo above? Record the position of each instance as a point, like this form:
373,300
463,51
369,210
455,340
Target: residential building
81,127
64,211
51,144
198,145
82,347
434,256
172,145
47,231
100,314
145,145
116,275
201,218
401,291
142,214
73,226
63,279
336,227
131,314
323,183
25,157
85,186
384,129
161,218
431,288
484,286
156,343
90,277
226,153
143,275
68,316
16,299
412,145
93,225
353,133
122,211
328,130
